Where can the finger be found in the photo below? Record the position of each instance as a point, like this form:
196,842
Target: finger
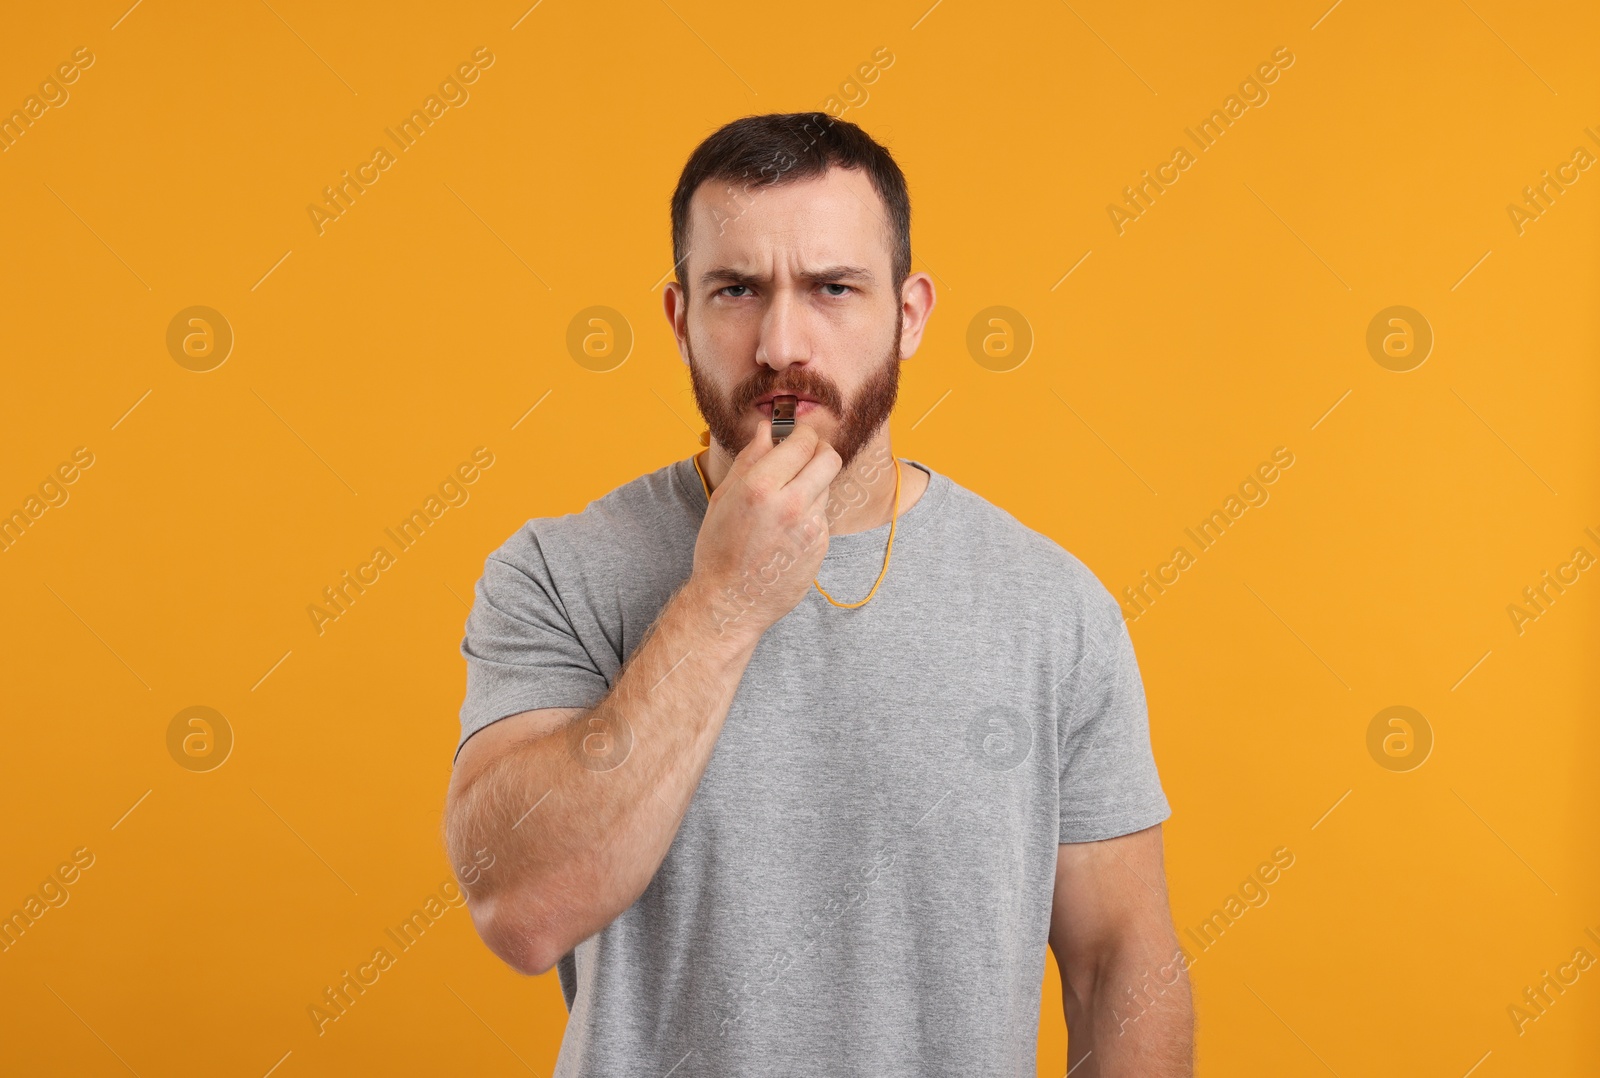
813,480
788,457
761,443
759,446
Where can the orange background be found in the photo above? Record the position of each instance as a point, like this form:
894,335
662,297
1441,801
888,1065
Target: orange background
372,358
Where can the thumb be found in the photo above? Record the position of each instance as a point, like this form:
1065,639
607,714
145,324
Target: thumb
760,445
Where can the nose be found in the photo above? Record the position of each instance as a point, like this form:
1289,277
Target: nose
785,339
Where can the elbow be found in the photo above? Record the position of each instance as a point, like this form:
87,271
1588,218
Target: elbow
536,959
1080,982
509,934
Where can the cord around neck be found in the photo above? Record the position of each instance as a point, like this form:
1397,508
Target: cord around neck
887,552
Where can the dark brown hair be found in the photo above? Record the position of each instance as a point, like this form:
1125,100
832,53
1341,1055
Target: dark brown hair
757,151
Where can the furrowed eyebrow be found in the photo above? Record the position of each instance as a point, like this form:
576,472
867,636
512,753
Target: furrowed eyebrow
858,274
727,275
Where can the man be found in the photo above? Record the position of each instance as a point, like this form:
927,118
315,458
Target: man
792,758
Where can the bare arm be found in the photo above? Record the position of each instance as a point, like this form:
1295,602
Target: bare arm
1124,983
553,830
571,836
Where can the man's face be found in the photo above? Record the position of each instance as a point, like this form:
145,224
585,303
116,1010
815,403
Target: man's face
789,289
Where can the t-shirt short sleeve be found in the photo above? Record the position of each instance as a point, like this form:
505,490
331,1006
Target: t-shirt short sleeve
1109,784
520,647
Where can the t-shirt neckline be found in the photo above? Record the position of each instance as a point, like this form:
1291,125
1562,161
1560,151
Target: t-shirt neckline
840,547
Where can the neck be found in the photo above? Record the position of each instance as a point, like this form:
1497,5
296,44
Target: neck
860,498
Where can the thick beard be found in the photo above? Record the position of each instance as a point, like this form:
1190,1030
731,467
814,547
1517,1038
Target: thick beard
859,422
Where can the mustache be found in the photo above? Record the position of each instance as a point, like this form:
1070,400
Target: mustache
760,385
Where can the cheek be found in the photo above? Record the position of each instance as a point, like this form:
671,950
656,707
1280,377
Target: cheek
711,353
869,338
727,338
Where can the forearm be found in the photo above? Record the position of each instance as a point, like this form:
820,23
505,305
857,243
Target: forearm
1133,1017
575,835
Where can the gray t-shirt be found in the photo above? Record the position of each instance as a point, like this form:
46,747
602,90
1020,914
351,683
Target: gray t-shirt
862,882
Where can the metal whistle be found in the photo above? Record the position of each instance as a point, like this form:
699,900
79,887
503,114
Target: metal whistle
783,417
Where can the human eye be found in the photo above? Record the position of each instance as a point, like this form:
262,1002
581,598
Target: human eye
725,290
835,284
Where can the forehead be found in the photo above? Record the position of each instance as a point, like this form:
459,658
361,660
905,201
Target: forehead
833,218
